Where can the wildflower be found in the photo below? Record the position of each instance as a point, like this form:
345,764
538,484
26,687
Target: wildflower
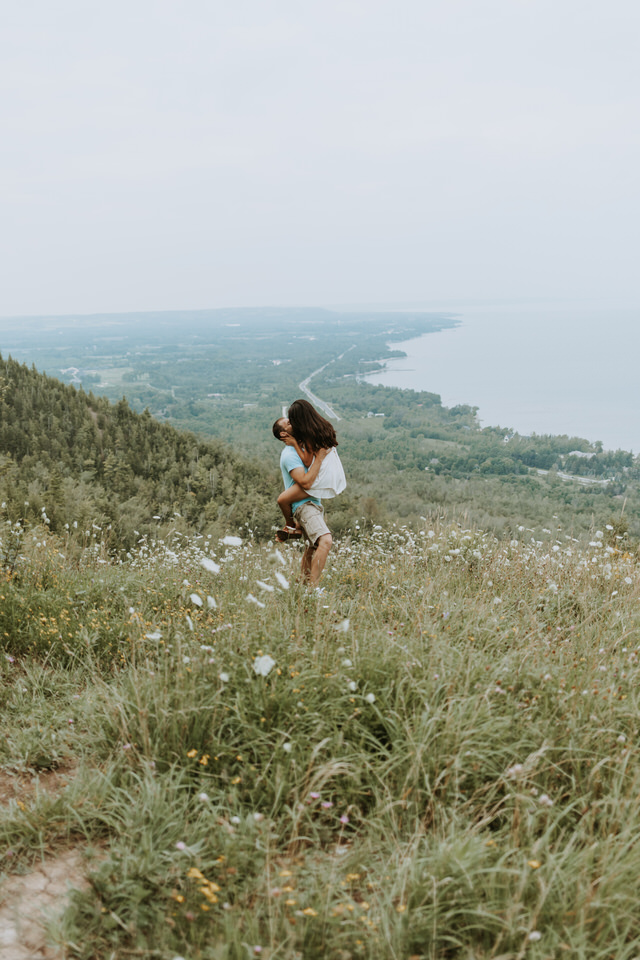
534,936
192,753
628,580
314,795
621,738
534,864
234,820
212,605
287,747
224,677
156,635
515,771
310,912
546,800
252,599
343,626
210,565
265,586
127,746
327,804
189,621
347,663
194,874
232,541
344,819
263,665
196,600
181,845
353,686
370,698
284,583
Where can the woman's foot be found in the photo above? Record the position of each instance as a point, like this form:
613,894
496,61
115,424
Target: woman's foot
288,533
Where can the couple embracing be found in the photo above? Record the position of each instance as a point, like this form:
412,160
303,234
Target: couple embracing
311,471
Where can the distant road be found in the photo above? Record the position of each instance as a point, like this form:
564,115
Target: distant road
570,476
316,401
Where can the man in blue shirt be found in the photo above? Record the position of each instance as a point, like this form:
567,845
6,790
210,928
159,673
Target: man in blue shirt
308,512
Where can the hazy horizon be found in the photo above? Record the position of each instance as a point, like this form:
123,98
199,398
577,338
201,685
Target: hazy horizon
163,157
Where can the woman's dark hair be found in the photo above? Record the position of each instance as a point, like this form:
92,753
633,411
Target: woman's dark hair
309,428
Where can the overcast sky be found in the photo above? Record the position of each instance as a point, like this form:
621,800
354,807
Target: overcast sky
205,153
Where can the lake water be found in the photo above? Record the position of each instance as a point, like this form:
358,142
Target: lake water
560,369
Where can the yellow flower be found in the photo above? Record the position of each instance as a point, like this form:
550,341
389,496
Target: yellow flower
291,903
534,864
353,876
236,780
401,908
310,912
192,753
195,874
204,759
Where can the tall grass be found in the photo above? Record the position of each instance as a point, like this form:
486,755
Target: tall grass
437,757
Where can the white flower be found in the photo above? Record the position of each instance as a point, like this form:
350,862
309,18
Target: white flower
265,586
496,601
186,659
628,580
546,800
224,677
234,820
284,583
370,698
156,635
211,603
287,747
232,541
189,622
621,738
263,665
347,663
343,626
196,600
252,599
203,796
514,772
353,686
599,534
210,565
534,936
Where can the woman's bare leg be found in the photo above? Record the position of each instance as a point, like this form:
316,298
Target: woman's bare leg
286,498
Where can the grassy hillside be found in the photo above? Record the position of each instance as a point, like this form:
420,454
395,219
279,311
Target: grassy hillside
88,465
437,757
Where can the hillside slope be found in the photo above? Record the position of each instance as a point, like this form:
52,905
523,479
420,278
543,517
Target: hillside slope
82,460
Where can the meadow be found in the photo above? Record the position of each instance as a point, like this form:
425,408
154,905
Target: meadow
436,757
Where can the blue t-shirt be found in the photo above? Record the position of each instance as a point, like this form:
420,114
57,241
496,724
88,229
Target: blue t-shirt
290,460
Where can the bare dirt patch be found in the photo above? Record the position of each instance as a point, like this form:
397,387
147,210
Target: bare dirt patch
27,902
21,786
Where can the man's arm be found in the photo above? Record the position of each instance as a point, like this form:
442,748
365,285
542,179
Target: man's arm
308,478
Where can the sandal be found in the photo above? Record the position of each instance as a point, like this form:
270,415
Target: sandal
288,533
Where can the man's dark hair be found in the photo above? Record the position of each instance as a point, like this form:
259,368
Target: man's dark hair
278,428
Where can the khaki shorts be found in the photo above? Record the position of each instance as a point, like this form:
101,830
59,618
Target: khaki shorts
311,518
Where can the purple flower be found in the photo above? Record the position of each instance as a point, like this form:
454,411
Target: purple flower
314,796
344,818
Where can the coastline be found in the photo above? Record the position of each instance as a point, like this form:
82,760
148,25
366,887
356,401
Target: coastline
534,372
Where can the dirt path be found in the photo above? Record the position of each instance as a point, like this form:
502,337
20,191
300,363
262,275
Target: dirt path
28,901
